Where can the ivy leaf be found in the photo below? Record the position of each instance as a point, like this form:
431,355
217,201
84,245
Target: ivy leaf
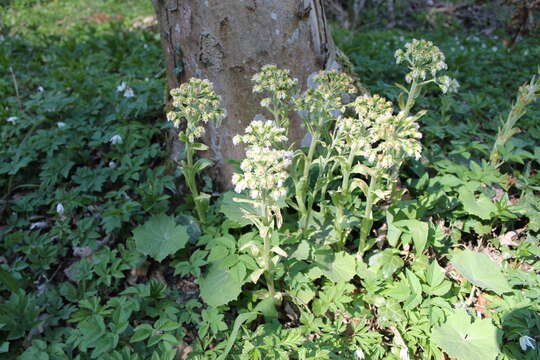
222,284
481,271
465,340
337,267
160,237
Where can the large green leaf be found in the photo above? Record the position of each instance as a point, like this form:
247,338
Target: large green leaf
222,284
337,267
465,340
481,206
235,211
160,237
480,270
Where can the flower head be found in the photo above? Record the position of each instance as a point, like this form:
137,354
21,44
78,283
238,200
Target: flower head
526,342
377,134
60,209
12,119
116,139
324,100
263,133
195,101
129,93
121,87
264,170
275,81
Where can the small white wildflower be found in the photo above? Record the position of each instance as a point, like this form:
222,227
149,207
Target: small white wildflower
129,93
404,353
526,52
146,79
60,124
112,164
116,139
121,87
38,225
60,209
527,342
40,88
12,119
359,354
494,49
145,46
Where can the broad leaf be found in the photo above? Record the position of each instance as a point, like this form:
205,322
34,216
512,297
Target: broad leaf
481,206
337,267
464,340
222,284
481,271
235,211
160,237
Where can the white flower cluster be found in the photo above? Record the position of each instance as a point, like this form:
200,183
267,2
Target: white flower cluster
264,170
275,81
261,133
424,58
326,97
377,134
195,101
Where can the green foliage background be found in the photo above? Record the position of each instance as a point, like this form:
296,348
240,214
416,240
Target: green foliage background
75,285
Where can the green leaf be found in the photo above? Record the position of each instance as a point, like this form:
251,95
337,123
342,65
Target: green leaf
385,261
481,271
222,284
465,340
160,237
419,232
141,332
9,281
337,267
481,206
233,210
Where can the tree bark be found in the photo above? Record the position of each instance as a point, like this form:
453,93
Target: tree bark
227,41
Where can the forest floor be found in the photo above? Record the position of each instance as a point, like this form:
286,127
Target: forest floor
82,165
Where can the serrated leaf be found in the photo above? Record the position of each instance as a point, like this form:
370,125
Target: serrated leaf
465,340
337,267
481,271
160,237
222,284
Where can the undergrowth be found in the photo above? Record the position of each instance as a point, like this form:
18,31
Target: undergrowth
102,255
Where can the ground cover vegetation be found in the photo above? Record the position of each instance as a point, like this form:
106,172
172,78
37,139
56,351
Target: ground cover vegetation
407,228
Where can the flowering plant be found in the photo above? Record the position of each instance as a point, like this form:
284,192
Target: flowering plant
195,104
264,171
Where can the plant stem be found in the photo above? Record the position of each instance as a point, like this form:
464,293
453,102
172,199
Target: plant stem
301,191
267,237
367,222
344,191
189,175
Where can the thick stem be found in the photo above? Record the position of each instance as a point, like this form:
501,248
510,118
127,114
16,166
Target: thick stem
344,191
367,222
189,175
303,182
411,98
267,252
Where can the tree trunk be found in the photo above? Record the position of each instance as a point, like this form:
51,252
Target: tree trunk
227,41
